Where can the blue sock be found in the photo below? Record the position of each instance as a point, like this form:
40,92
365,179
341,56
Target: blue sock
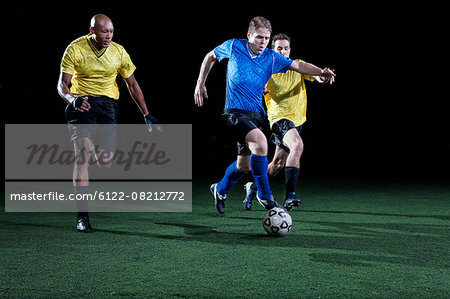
259,170
232,175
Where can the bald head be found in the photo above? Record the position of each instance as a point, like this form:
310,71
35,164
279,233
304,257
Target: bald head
100,20
102,30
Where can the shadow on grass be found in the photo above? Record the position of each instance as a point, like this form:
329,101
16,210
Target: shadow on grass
366,243
440,217
353,244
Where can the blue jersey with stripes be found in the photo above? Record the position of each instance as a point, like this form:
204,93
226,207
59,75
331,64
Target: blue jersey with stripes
247,74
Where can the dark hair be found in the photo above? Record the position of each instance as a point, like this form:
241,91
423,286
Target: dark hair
278,37
258,22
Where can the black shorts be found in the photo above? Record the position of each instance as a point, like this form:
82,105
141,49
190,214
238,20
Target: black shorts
241,122
99,122
279,129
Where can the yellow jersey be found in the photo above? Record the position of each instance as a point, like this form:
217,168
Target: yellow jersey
94,72
287,97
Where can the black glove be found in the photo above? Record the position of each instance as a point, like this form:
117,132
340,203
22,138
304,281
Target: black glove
77,102
149,120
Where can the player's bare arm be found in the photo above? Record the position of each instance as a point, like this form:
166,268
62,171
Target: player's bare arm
326,74
138,97
136,93
66,95
200,89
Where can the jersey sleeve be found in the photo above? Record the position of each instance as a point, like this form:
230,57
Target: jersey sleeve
68,60
224,50
309,78
280,63
127,67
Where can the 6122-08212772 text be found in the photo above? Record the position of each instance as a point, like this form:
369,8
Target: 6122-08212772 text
102,195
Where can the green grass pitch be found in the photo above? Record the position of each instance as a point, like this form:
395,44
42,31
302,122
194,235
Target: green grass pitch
350,239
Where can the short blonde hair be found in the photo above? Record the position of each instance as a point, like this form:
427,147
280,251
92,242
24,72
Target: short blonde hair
258,22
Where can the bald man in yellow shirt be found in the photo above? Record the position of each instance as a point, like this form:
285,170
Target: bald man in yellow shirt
89,66
286,110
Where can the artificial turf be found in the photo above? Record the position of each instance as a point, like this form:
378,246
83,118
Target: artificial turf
350,239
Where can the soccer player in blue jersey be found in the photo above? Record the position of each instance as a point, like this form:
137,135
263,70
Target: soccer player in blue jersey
250,66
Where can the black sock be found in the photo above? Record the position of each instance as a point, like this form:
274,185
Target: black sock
82,205
82,214
291,176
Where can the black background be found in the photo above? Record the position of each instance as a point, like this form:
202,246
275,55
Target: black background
384,117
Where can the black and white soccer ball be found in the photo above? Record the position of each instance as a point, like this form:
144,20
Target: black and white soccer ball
277,222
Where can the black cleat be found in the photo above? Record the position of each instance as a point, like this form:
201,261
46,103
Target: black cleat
291,201
249,195
219,200
83,225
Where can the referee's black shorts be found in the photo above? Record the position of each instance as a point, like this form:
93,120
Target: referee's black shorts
240,123
99,124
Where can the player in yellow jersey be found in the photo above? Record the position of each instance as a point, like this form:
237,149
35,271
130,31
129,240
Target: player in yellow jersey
286,110
89,67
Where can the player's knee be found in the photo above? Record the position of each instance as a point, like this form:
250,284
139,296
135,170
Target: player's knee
105,164
257,142
274,168
243,166
244,169
279,164
259,148
105,159
82,151
82,159
81,164
296,149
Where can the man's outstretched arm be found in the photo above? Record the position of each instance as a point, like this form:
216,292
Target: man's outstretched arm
200,89
306,68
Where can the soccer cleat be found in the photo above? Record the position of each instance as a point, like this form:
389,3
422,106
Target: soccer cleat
291,201
249,195
268,204
219,200
83,225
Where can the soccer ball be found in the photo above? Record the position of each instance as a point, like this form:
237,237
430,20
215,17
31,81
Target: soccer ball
277,222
